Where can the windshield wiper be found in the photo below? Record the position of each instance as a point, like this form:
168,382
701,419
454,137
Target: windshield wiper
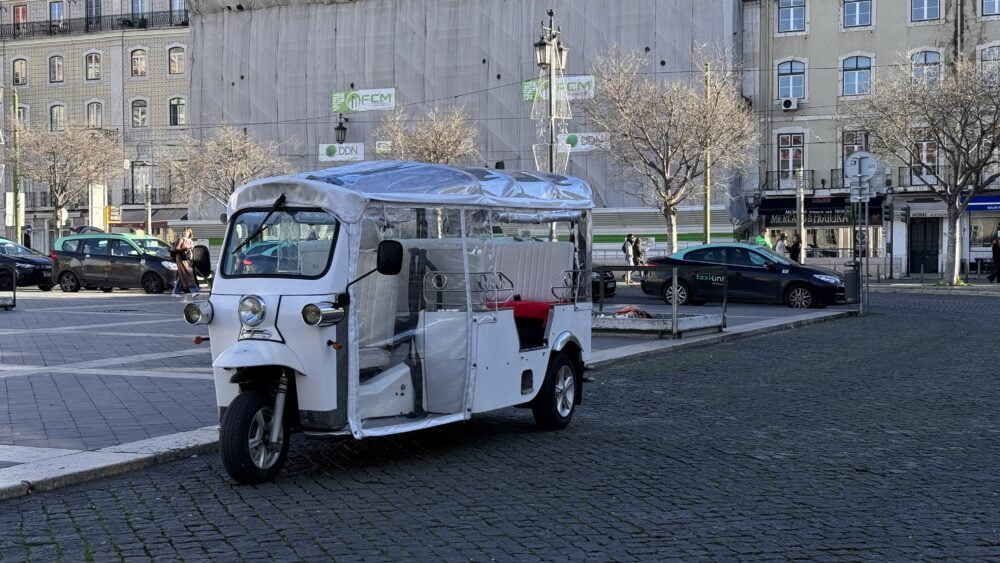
278,203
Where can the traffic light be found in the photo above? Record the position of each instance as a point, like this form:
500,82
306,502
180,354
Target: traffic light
905,213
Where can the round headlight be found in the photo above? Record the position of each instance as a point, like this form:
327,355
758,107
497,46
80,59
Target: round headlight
251,310
312,314
198,313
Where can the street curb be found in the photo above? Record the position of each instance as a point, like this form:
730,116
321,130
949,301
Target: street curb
934,291
84,466
736,333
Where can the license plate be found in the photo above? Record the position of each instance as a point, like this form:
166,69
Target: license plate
46,274
609,285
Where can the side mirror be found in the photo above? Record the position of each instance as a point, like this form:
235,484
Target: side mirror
389,260
223,218
770,265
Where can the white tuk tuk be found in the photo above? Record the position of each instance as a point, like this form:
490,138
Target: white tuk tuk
385,297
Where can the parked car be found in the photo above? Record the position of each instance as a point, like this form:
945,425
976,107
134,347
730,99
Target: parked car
110,260
755,274
610,285
32,267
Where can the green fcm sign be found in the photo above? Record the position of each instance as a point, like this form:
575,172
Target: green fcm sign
350,101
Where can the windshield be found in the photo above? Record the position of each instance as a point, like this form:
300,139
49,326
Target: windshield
772,256
153,246
294,243
14,249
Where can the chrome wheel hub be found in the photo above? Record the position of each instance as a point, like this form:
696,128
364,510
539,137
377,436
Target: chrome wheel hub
800,298
263,453
565,391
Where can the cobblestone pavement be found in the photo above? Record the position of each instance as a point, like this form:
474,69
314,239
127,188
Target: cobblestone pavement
868,438
87,370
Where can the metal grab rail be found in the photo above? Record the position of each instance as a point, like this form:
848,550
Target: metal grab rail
571,284
490,287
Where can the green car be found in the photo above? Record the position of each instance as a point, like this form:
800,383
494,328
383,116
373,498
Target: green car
110,260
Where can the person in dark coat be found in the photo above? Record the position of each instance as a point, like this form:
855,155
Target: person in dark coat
995,247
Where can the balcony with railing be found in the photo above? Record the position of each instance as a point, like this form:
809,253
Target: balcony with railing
93,24
42,199
789,180
157,196
919,177
839,182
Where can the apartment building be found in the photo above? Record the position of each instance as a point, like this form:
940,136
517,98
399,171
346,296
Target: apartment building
807,59
116,66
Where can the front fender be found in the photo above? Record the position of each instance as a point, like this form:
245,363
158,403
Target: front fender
252,353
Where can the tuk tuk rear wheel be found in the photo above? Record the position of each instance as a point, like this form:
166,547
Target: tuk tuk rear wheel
247,454
553,407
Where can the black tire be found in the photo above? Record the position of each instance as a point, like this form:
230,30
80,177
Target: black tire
683,293
152,283
800,297
45,287
6,281
107,289
554,406
68,282
240,426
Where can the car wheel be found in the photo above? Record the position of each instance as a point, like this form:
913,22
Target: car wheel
247,453
152,283
45,287
800,297
68,282
553,407
683,293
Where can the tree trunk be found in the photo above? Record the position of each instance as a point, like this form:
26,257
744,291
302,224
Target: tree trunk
56,224
953,252
670,214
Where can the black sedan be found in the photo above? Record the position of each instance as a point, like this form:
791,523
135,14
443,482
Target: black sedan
755,274
32,267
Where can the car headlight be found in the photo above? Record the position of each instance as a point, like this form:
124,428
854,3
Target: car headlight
322,314
23,266
251,310
595,276
198,313
828,279
168,265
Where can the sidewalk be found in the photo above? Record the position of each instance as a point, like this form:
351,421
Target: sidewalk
94,385
981,287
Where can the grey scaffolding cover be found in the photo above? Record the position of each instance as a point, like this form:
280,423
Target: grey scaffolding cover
347,190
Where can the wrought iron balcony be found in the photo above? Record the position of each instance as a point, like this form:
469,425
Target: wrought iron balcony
157,196
95,24
43,199
839,182
919,176
789,180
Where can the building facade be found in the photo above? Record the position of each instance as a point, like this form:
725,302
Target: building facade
807,59
476,53
119,66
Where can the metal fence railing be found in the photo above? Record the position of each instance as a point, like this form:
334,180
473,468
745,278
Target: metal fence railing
93,24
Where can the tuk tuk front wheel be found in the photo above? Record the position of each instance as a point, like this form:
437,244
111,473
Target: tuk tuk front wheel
247,453
553,407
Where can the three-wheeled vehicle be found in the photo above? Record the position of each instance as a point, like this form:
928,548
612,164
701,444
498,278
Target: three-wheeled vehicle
385,297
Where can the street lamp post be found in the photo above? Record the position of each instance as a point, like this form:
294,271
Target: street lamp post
550,55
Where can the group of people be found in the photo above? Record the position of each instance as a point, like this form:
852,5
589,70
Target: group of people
633,254
182,253
781,245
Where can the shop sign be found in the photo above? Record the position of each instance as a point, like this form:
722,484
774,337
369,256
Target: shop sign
344,152
814,218
584,142
580,87
383,148
349,101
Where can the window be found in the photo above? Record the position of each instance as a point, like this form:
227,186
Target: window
140,182
55,13
20,18
177,12
991,8
123,248
175,60
925,10
97,246
94,115
790,155
139,62
71,245
93,66
924,168
93,13
20,72
55,69
57,118
23,116
792,80
857,13
713,255
177,116
854,141
791,15
926,67
990,61
857,73
140,7
743,257
140,116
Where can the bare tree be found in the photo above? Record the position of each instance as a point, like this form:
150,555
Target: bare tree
215,166
662,129
957,110
441,136
69,162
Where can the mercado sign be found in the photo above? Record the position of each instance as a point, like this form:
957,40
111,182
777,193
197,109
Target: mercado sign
342,153
580,87
349,101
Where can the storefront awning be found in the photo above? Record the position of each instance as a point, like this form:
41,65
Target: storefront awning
820,211
985,203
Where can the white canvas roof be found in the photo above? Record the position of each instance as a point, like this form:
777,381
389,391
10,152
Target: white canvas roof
347,190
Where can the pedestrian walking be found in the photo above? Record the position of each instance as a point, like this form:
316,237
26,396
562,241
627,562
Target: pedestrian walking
781,247
761,240
995,247
182,257
795,249
629,249
638,255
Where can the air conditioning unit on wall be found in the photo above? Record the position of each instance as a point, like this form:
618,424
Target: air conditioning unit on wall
789,104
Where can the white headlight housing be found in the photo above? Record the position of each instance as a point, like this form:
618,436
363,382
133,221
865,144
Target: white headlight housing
828,279
198,313
251,310
322,314
168,265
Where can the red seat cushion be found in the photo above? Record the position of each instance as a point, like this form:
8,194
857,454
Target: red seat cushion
536,310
